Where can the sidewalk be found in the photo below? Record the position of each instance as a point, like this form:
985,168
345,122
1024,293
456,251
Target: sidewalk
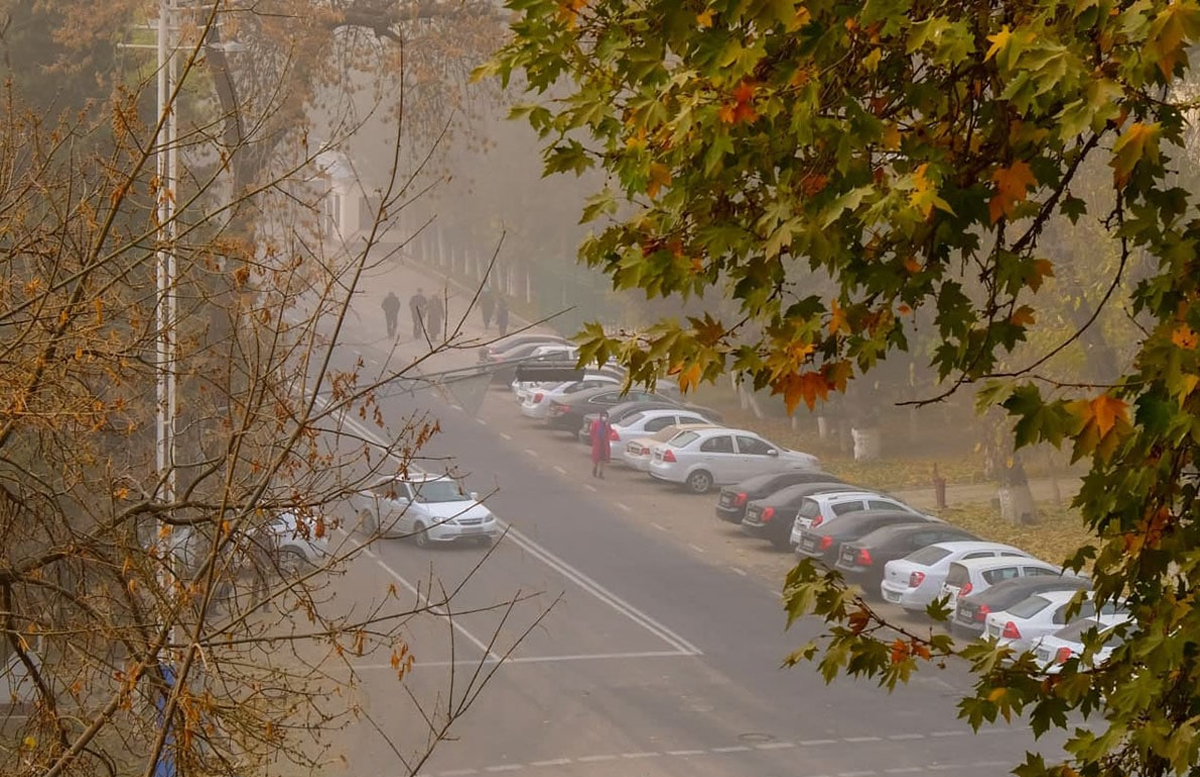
1045,491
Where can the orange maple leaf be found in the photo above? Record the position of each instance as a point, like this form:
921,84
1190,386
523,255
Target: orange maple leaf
1012,185
899,651
744,92
837,318
660,176
1022,316
912,265
1042,269
744,112
813,183
689,378
1184,337
1107,410
727,113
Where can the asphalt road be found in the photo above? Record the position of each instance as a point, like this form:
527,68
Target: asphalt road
623,630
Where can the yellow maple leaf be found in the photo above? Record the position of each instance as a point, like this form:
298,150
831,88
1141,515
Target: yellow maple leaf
689,378
837,318
999,42
1042,269
727,113
1184,337
636,142
891,137
807,387
1107,410
1138,142
660,176
705,18
1012,185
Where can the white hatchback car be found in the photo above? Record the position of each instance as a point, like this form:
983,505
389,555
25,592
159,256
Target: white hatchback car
701,459
1058,648
974,575
819,509
1023,625
916,580
426,507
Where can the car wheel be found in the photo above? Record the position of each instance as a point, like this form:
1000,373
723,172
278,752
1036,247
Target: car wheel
367,522
420,536
782,543
699,482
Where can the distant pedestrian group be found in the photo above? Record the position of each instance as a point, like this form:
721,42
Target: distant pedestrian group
417,305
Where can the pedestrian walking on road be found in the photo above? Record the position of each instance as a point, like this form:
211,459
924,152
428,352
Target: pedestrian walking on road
391,310
502,316
436,312
601,448
417,304
487,305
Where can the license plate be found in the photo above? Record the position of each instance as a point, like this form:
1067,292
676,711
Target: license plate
471,530
726,500
891,596
808,543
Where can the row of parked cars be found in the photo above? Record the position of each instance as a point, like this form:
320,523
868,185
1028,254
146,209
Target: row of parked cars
890,549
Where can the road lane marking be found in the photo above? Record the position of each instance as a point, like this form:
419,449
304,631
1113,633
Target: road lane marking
438,611
503,768
867,773
481,422
457,407
658,526
600,592
459,772
531,452
551,762
948,734
854,740
687,752
590,487
898,737
902,770
814,742
738,571
624,507
632,756
731,749
560,469
506,435
696,547
775,745
588,759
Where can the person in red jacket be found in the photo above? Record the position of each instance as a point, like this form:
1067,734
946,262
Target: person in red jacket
601,451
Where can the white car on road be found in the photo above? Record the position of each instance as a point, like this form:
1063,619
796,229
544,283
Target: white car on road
426,507
1023,625
701,459
916,580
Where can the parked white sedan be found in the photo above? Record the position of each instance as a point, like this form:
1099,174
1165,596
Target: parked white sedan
647,422
637,453
1060,647
701,459
1023,625
535,398
916,580
425,507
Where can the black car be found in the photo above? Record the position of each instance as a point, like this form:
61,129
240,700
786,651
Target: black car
771,517
566,414
512,342
731,505
504,369
824,543
970,614
863,560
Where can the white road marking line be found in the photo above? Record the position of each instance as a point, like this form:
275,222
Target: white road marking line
560,470
481,421
590,487
687,752
948,734
458,408
862,739
738,571
696,547
457,772
551,762
640,755
775,746
731,749
902,770
989,764
813,742
531,452
658,526
437,611
571,573
535,659
503,768
899,737
867,773
943,767
587,759
370,553
624,507
600,592
506,435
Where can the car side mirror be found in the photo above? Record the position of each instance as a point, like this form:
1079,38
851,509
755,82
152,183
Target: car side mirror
772,452
474,495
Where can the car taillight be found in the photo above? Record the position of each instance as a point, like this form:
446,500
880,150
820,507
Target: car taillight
915,579
820,519
644,451
1063,655
612,435
668,455
767,514
1011,631
538,397
826,541
741,499
965,590
982,613
863,559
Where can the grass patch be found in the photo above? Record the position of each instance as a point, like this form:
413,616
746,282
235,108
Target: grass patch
1058,533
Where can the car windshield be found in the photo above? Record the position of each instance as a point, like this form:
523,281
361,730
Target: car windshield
957,576
444,490
1029,607
928,555
684,439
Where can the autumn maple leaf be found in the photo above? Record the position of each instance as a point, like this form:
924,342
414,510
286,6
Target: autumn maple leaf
1012,185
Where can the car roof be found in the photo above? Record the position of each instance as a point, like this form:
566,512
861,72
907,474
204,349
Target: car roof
998,561
966,546
851,522
887,533
805,489
860,493
1018,586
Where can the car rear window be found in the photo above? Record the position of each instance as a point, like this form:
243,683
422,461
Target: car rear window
683,439
1029,607
957,576
632,419
994,576
809,508
928,555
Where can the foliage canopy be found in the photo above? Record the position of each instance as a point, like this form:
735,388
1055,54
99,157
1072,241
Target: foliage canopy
916,154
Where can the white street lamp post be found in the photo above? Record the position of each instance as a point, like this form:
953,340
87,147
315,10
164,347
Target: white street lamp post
167,162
